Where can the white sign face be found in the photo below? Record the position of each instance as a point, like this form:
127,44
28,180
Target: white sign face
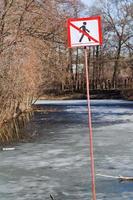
84,32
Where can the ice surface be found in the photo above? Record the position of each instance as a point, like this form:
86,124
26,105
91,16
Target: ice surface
58,161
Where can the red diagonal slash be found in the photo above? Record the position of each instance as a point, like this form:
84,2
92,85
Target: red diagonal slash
86,34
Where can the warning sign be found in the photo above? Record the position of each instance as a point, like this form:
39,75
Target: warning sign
84,32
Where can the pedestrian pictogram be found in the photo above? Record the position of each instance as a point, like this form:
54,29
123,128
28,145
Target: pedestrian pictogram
83,27
84,32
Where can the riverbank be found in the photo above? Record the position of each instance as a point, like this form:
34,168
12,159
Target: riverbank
128,94
13,130
95,94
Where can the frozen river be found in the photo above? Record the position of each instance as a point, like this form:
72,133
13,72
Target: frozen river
58,163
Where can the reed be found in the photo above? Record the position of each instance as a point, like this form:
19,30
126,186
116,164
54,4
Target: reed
11,131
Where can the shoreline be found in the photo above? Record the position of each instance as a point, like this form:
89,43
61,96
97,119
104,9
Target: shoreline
114,94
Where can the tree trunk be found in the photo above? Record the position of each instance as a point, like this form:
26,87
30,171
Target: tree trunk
114,78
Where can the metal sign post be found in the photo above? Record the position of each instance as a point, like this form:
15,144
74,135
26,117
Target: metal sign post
92,167
83,32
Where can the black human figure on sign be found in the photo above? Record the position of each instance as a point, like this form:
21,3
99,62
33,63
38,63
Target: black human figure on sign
83,28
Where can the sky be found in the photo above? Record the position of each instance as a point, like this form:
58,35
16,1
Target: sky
88,2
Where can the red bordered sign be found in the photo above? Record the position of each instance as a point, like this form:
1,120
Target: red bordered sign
84,31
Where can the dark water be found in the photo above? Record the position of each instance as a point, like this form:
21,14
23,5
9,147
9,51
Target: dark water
58,161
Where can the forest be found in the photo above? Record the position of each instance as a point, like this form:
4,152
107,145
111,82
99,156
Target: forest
35,58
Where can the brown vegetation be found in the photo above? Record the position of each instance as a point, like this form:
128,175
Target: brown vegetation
34,57
31,48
